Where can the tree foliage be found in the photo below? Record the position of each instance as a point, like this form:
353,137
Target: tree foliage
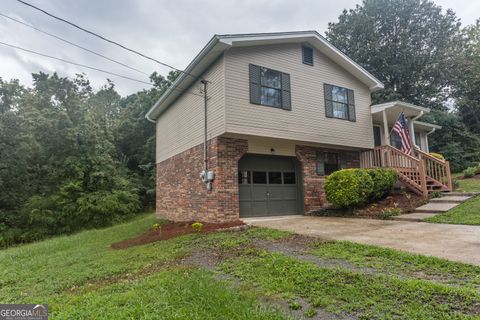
467,80
407,44
73,158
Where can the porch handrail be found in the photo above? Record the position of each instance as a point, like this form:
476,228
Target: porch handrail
410,169
436,169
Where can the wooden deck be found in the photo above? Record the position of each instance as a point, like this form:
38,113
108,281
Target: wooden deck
421,173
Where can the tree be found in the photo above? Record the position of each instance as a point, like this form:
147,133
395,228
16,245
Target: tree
59,169
467,80
132,127
410,45
458,144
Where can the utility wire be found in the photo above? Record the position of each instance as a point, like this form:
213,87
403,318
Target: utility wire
73,44
104,38
74,63
93,68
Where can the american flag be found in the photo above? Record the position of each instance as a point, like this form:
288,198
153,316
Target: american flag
400,127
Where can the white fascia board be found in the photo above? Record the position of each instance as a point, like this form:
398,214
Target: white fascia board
383,106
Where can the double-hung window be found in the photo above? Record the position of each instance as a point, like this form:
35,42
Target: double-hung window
269,87
339,102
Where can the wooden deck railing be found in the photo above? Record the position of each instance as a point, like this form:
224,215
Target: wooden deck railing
436,169
410,169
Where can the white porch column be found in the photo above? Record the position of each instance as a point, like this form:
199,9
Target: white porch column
386,132
412,133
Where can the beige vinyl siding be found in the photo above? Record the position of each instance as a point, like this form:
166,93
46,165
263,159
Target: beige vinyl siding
307,120
180,127
261,145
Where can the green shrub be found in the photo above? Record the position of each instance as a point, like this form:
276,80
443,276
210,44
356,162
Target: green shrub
197,226
383,181
437,155
390,212
477,169
455,184
469,172
349,188
436,194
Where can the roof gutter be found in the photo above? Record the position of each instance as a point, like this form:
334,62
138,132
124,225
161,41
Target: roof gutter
149,119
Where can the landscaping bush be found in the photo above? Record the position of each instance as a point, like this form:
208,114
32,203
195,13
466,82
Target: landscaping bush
383,181
354,187
437,155
477,169
469,172
349,187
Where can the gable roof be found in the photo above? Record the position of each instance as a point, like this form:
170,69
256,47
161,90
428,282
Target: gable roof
219,43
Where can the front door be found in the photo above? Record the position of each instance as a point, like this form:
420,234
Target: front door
268,185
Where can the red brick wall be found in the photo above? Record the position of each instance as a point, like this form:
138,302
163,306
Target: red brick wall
313,193
182,196
313,184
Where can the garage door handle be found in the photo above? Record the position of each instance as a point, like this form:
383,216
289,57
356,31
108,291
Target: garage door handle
268,194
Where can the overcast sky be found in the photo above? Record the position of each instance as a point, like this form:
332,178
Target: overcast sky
170,31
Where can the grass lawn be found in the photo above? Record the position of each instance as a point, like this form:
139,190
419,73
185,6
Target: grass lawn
233,275
466,213
467,185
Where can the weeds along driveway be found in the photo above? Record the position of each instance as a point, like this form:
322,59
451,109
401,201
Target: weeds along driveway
453,242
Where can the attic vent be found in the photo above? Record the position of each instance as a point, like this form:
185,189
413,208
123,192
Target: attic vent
307,54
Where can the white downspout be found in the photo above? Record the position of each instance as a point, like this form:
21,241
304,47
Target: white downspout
412,130
427,147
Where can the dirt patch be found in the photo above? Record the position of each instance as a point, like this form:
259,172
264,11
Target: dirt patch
477,176
175,229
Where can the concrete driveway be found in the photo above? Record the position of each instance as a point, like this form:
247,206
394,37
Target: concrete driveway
453,242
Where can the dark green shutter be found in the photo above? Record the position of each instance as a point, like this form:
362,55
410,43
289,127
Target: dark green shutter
255,89
327,93
320,163
351,106
286,98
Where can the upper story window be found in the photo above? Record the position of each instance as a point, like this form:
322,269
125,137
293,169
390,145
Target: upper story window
269,87
339,102
307,55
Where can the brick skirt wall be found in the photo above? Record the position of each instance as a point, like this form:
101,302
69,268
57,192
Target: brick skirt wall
182,196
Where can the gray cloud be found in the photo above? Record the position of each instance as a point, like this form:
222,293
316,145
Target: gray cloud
171,31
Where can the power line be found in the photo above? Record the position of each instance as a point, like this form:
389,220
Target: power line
93,68
74,63
73,44
104,38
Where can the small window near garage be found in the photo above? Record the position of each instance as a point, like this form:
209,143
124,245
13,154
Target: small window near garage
327,163
244,177
269,87
339,102
275,178
307,55
331,162
259,177
289,178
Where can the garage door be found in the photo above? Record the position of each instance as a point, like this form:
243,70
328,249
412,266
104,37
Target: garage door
269,185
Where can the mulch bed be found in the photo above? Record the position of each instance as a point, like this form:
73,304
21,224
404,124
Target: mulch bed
406,202
477,176
171,230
